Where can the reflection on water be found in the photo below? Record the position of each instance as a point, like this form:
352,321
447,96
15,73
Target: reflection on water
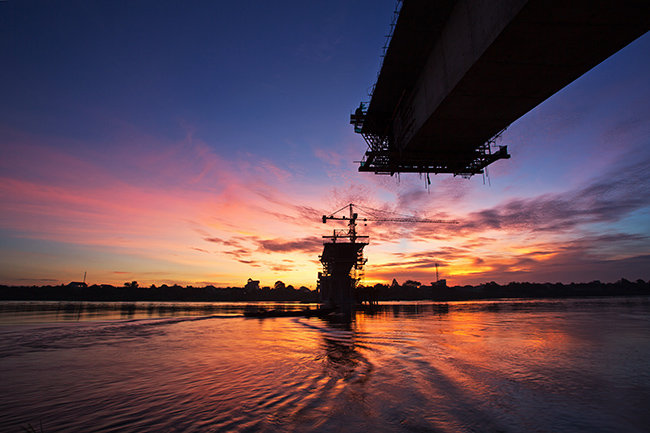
24,312
494,366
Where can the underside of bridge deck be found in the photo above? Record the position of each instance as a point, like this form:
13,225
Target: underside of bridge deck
458,72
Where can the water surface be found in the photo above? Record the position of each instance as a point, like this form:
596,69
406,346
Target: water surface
493,366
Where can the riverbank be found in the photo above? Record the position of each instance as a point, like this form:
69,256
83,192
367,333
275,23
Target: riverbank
381,292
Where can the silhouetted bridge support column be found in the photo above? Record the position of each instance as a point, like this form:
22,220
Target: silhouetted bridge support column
458,72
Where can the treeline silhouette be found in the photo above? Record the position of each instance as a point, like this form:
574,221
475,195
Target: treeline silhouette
133,292
410,290
413,290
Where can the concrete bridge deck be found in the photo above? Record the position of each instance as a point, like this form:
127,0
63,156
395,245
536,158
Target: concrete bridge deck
457,72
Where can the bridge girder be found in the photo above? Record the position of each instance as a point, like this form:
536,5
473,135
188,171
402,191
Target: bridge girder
458,72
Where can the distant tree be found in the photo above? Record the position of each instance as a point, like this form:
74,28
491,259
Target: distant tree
394,284
412,283
279,285
131,285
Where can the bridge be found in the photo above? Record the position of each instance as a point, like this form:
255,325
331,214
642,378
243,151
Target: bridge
456,73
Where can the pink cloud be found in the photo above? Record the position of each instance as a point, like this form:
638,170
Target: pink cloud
48,194
309,245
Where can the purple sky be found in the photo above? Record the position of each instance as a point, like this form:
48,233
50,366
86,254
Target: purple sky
200,142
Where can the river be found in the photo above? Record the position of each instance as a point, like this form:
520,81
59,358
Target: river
574,365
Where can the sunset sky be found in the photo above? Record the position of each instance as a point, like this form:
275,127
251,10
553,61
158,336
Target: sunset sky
201,142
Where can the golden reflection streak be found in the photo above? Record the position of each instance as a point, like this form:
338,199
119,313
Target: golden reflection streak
482,335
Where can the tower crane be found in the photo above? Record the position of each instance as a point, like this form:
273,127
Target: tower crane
343,262
351,233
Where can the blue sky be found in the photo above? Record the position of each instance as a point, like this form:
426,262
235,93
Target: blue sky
199,143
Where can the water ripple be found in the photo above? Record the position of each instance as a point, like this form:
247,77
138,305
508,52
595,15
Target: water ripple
502,367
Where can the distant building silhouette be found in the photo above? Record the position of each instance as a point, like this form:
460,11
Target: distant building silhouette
252,284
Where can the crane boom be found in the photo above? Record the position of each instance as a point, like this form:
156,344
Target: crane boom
409,220
354,217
